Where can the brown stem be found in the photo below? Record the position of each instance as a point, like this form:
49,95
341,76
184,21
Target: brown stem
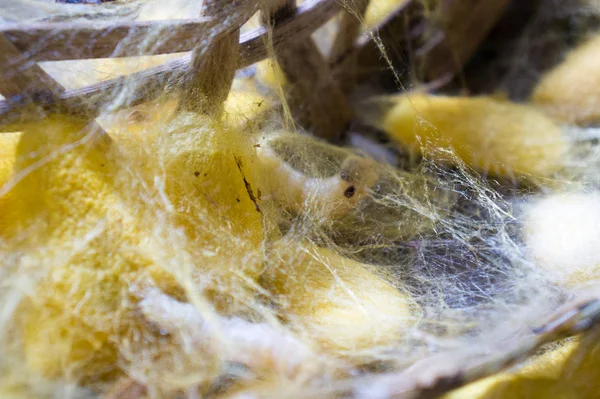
150,83
315,99
25,79
213,65
348,30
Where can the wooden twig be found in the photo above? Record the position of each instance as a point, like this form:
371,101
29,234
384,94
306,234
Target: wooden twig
213,66
376,51
315,99
463,25
435,45
21,79
348,30
28,83
55,41
435,376
343,49
148,84
307,18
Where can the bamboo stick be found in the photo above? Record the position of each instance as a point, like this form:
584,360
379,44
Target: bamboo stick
315,99
148,84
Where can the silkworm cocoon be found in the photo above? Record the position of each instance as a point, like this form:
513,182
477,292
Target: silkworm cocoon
211,176
340,302
205,177
307,175
55,207
570,92
492,136
561,234
90,217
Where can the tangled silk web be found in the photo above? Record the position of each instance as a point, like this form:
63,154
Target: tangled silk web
163,253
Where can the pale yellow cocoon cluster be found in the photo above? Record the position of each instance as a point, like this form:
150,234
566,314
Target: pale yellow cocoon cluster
94,218
171,200
339,301
571,91
491,136
180,250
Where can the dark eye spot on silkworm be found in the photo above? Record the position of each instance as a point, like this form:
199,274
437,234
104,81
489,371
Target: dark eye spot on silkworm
350,191
196,173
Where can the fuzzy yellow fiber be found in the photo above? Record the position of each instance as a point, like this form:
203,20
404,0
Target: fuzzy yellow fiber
94,218
570,91
491,136
339,301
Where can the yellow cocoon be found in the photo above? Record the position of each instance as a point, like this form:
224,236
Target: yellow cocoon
492,136
93,218
342,304
56,217
570,92
210,174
